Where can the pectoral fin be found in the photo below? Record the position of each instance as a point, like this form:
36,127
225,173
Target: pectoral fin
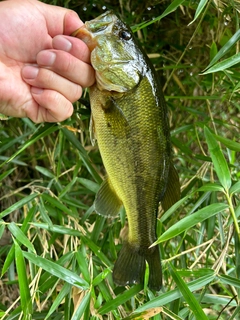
172,193
93,136
107,202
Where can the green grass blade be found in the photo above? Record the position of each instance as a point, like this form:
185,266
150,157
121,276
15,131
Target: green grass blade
187,295
219,162
57,270
25,296
190,221
41,133
6,173
71,137
17,205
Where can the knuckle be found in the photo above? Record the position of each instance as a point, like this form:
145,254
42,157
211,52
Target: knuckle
46,77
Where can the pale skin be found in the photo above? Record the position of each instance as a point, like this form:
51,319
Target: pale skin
42,68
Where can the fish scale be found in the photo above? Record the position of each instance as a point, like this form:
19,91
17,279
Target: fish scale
129,120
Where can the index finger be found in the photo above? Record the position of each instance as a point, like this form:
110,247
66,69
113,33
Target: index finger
73,45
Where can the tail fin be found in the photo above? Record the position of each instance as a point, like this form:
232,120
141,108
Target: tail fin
131,265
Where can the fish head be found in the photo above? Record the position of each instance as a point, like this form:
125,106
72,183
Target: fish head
114,53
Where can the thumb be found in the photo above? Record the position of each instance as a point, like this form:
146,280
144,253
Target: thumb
71,22
60,20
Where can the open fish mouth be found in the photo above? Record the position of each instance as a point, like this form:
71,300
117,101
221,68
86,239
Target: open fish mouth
93,28
86,36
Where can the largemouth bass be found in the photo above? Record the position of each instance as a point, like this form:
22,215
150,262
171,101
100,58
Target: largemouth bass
130,123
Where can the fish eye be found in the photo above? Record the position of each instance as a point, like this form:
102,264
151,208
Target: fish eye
125,35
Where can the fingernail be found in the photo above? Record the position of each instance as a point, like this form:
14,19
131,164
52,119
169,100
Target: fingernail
46,58
30,72
36,90
61,43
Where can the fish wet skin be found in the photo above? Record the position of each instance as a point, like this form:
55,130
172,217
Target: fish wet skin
129,121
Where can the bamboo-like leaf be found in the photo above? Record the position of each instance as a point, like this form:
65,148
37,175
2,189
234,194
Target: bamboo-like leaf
56,203
83,266
17,205
57,270
82,307
26,301
173,208
229,280
149,314
200,8
57,229
230,144
172,295
120,299
172,7
190,221
97,250
90,185
2,229
219,162
228,45
213,50
235,188
223,65
8,260
66,289
20,236
100,277
187,295
45,172
212,187
235,314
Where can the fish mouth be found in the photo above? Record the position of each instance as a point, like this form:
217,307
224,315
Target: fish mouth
94,28
86,36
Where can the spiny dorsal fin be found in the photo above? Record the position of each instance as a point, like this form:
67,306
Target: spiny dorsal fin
172,193
107,202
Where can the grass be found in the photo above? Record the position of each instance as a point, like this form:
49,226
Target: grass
56,254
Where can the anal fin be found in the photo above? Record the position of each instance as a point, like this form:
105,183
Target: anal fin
107,202
172,193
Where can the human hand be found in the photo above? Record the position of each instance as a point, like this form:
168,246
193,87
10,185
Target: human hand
42,68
